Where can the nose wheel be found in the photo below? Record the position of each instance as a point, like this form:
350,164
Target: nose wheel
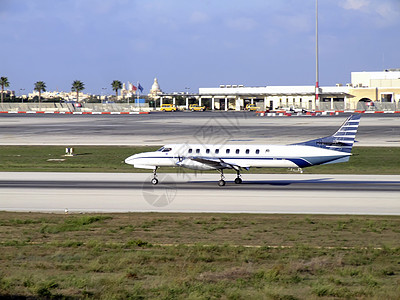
154,181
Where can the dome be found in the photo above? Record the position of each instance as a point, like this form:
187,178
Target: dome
155,88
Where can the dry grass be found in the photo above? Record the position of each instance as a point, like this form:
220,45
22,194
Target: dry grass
199,256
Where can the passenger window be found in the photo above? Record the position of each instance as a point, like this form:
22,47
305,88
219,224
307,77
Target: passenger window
197,150
247,151
190,150
227,151
237,151
216,151
266,150
257,151
208,151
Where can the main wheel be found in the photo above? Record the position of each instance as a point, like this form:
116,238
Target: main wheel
221,182
238,180
154,181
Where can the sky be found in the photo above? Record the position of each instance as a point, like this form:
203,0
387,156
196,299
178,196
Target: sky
193,44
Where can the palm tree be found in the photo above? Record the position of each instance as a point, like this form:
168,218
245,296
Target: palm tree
4,83
40,86
116,85
77,86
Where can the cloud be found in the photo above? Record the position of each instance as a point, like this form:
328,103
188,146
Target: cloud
388,10
241,24
383,13
355,4
198,17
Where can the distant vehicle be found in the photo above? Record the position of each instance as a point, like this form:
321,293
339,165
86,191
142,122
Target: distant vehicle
196,107
293,109
327,150
168,107
251,107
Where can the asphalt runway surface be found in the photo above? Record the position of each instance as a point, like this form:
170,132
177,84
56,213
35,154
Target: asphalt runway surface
161,128
191,192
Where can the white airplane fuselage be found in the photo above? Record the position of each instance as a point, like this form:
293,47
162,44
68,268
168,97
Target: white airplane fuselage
245,156
331,149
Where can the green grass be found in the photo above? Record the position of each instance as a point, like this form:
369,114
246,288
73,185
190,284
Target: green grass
199,256
365,160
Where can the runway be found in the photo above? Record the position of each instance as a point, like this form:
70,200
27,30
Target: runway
188,127
191,192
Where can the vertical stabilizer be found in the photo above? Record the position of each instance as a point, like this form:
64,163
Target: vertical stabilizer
343,139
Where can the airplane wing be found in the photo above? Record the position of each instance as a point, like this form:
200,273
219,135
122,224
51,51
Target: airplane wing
218,163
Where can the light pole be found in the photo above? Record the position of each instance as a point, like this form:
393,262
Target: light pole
20,94
187,97
103,91
316,58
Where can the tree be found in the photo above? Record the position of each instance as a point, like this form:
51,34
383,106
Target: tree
40,86
77,86
4,83
116,85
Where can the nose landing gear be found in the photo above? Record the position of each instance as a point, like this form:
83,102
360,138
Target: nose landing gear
154,181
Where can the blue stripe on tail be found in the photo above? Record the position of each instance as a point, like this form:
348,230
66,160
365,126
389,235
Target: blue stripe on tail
343,139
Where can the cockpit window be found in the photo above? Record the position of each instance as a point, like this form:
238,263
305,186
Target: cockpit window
161,149
166,149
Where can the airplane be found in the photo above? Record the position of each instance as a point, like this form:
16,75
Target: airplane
327,150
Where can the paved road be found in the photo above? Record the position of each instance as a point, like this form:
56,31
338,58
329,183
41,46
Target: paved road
198,127
189,192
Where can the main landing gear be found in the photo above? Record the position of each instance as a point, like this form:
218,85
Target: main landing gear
154,181
222,182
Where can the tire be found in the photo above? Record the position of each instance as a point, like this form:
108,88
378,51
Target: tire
238,180
154,181
221,182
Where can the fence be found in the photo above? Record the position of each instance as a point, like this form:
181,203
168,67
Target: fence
70,107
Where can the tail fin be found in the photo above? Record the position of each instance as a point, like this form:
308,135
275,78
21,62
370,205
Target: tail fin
343,139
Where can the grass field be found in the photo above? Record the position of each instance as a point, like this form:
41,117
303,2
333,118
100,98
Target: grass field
365,160
195,256
198,256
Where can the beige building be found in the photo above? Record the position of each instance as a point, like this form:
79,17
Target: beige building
376,90
367,91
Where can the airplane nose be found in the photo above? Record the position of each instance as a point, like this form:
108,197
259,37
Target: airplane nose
130,160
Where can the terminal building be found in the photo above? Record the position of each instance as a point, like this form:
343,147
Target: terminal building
367,91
